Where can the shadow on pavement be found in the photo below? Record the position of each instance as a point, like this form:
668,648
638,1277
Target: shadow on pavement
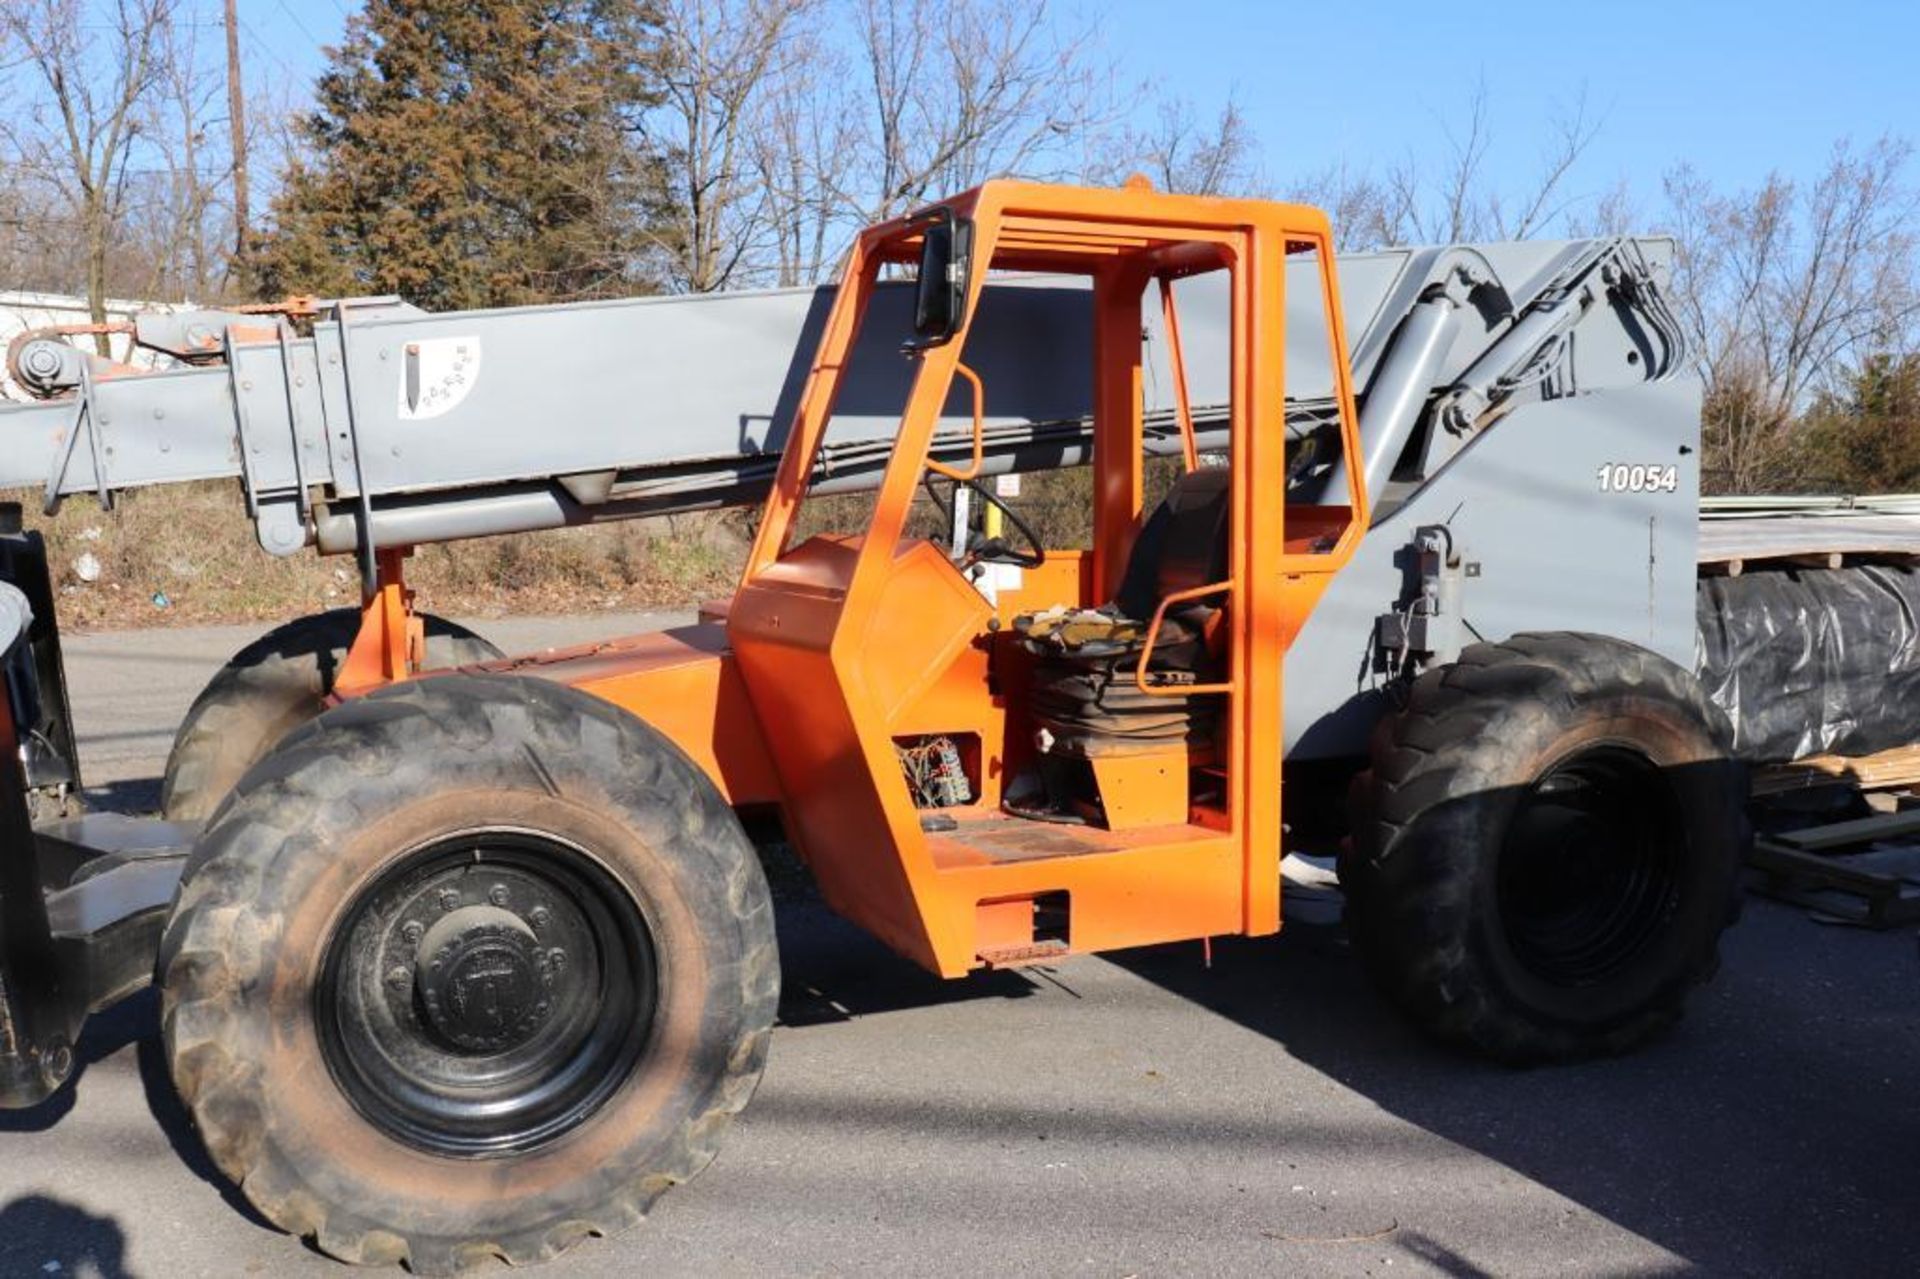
1773,1132
832,971
135,796
106,1033
43,1235
133,1021
156,1082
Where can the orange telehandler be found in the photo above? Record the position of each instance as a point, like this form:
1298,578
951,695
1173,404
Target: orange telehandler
481,962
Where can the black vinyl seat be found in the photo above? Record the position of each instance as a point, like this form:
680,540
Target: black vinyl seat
1182,545
1084,694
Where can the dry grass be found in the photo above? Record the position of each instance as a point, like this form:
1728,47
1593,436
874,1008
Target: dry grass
185,555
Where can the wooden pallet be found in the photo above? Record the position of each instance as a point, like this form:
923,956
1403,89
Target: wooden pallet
1841,871
1887,770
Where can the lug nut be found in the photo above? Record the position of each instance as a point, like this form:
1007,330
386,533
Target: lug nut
56,1062
497,894
539,917
413,930
398,977
449,899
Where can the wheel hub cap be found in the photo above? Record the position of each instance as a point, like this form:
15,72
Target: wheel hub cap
486,993
483,979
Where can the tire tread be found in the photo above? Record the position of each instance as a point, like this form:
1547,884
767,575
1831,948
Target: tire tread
1407,901
208,965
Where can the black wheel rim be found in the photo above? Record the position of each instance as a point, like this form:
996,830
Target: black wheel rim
486,993
1590,870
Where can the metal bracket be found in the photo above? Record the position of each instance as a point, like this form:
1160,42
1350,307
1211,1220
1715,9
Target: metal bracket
87,415
1429,627
293,427
281,523
369,561
249,485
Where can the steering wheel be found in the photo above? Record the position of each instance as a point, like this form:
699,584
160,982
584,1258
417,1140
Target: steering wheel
990,550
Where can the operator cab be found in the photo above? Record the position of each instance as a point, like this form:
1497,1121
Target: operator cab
1009,729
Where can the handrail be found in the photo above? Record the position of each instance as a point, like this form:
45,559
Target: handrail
979,439
1153,633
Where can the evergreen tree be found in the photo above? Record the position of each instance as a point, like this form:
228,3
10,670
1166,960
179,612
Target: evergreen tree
469,153
1865,437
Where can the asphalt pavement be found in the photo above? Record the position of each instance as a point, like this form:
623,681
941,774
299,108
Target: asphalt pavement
1138,1114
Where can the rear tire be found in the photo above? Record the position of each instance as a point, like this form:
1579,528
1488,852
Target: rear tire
267,689
473,966
1546,847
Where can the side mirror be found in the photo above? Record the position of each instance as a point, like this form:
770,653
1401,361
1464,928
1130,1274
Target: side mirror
940,296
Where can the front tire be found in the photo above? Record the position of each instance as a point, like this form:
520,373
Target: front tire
269,688
471,966
1546,847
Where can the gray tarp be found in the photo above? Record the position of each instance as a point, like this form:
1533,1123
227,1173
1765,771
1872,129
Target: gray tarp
1809,661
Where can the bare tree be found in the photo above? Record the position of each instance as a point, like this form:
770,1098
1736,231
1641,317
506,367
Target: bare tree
1458,201
1185,152
964,90
1784,288
1360,208
1613,212
1571,130
1446,207
24,213
93,69
178,206
720,56
804,135
788,124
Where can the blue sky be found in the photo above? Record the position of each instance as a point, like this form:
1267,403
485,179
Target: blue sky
1736,89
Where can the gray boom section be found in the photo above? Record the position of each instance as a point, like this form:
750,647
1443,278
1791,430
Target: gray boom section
1538,545
436,427
1546,479
1529,432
